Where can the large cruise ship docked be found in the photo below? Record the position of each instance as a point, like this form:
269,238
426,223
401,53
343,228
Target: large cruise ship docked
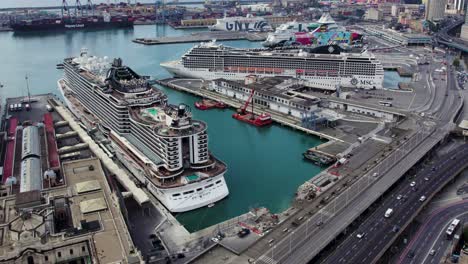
165,149
323,67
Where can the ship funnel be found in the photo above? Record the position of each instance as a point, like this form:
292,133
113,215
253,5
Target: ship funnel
181,110
117,62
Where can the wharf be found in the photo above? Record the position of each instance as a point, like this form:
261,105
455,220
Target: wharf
203,36
282,119
330,148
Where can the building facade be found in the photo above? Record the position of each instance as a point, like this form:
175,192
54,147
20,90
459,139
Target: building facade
435,10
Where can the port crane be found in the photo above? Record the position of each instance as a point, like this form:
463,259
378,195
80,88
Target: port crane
243,110
256,120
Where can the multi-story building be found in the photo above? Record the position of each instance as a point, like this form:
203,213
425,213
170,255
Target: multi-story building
435,10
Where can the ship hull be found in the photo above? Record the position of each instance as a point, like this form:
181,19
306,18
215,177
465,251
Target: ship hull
372,82
71,26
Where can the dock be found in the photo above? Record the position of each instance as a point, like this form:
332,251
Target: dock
277,117
203,37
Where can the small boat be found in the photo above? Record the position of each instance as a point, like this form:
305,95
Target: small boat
206,104
211,205
263,119
1,85
318,159
59,66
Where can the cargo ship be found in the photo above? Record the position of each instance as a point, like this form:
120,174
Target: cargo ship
106,21
161,144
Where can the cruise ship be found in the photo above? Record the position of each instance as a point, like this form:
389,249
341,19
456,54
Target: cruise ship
248,23
165,149
324,31
284,33
324,67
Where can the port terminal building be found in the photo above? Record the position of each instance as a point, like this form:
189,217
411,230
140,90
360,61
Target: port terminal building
404,39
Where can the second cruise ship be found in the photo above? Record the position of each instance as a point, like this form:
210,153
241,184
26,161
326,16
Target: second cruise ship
165,149
324,67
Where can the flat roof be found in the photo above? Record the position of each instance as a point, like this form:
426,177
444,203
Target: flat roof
93,205
463,124
87,186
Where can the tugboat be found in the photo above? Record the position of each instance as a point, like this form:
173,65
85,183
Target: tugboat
317,159
263,119
207,104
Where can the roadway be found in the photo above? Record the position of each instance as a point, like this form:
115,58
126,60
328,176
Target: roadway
306,241
442,108
381,231
431,235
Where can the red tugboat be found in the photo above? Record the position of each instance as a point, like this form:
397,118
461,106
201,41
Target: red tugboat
263,119
206,104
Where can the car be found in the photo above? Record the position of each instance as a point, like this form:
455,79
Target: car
412,184
375,174
411,254
395,229
422,199
399,197
214,239
361,235
319,223
432,252
434,168
426,178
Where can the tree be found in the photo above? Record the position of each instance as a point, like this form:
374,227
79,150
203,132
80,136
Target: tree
456,63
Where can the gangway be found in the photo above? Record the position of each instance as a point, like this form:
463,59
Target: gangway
66,135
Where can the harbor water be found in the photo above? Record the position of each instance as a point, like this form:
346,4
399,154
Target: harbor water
265,165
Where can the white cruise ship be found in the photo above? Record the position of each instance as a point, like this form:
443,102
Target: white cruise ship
324,67
283,33
165,149
248,23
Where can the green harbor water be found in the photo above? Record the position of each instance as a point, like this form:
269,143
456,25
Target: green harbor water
265,166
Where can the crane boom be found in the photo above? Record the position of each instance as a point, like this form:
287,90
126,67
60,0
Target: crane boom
248,101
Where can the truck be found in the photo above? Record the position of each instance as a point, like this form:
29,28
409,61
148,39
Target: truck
389,212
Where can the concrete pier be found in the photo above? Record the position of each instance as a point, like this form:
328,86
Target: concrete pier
292,122
203,37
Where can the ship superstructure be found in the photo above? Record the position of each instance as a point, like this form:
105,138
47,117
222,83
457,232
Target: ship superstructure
247,23
323,67
159,143
324,31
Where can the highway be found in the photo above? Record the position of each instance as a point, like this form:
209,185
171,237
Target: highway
306,241
431,235
445,97
381,231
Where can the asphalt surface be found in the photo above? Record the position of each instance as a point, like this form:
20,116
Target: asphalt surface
442,110
431,235
379,230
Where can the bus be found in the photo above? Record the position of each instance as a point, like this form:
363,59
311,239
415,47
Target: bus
452,227
385,103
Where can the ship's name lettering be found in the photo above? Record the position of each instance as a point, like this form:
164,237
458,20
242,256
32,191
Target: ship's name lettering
75,26
366,82
239,26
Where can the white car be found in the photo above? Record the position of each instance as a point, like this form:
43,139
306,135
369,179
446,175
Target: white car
399,197
412,184
361,235
214,239
422,199
426,178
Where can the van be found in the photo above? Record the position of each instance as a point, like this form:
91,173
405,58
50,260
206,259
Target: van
19,107
12,108
389,212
